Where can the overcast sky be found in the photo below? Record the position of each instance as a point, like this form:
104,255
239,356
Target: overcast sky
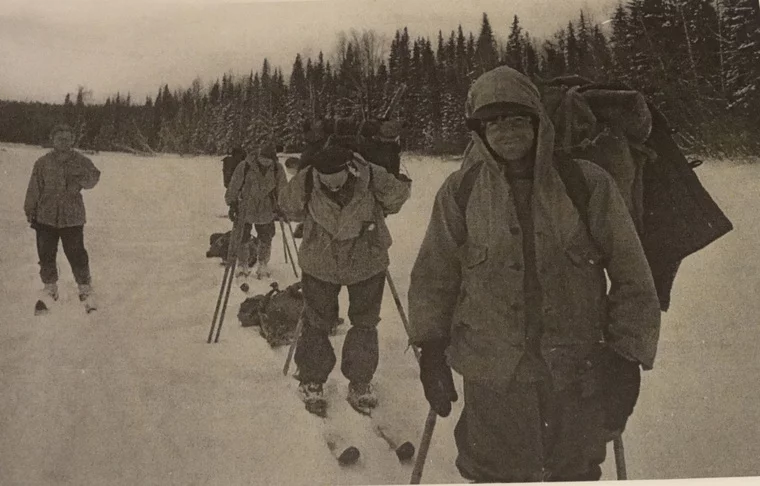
49,47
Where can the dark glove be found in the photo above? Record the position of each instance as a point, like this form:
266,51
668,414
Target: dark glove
233,212
620,381
404,178
436,378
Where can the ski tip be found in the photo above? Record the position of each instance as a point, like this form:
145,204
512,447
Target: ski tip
317,408
405,451
40,308
349,456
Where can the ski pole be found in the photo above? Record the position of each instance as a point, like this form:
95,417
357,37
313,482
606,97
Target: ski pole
232,250
291,350
226,300
287,249
617,445
225,283
427,435
284,242
400,308
222,289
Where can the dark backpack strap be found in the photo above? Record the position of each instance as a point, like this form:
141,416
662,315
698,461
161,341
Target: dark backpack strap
575,184
462,195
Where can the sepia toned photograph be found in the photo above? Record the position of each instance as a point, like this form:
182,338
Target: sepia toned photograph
379,242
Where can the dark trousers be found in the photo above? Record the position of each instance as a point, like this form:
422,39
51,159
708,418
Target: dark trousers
525,432
264,232
314,355
72,239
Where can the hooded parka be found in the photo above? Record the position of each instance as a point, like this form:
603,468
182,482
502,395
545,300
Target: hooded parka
467,281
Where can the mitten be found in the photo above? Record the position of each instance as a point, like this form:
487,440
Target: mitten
436,377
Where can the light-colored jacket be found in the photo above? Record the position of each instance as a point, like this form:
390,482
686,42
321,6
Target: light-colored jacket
467,283
350,244
256,193
53,196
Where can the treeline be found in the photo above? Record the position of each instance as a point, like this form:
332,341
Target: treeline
698,60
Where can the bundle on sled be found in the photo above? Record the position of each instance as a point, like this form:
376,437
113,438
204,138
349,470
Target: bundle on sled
276,314
219,244
620,130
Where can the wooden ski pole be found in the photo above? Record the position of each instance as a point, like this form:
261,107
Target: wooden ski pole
617,445
231,258
236,239
287,249
292,349
222,289
284,242
427,433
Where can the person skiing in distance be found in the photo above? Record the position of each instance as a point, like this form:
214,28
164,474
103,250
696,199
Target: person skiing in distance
343,201
253,196
230,163
55,210
509,290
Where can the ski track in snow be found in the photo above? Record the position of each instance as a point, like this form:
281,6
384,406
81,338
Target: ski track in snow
132,394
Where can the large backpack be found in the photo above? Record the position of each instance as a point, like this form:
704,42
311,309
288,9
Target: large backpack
276,314
609,125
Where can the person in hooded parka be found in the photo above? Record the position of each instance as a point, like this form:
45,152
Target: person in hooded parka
510,291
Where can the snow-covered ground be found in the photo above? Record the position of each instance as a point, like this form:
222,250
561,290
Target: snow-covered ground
132,394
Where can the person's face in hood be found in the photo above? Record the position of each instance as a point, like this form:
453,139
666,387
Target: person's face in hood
333,182
512,138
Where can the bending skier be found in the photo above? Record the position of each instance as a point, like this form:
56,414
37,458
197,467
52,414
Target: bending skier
253,196
509,289
343,201
55,210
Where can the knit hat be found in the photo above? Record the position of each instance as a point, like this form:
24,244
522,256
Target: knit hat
332,159
268,151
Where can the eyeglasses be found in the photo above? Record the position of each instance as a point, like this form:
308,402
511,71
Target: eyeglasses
511,122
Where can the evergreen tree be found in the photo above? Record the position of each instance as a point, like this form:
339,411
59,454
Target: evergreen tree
486,56
515,48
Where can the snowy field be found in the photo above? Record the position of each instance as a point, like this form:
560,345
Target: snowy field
133,395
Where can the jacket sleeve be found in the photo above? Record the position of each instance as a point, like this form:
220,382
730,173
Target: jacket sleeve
390,192
87,175
633,326
293,197
436,275
236,183
33,192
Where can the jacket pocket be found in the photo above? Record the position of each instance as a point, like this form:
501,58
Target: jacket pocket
582,250
473,255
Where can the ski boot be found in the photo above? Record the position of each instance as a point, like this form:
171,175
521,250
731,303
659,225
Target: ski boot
86,297
361,396
262,271
313,397
49,295
244,271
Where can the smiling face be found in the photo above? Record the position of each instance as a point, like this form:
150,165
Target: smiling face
511,136
63,140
